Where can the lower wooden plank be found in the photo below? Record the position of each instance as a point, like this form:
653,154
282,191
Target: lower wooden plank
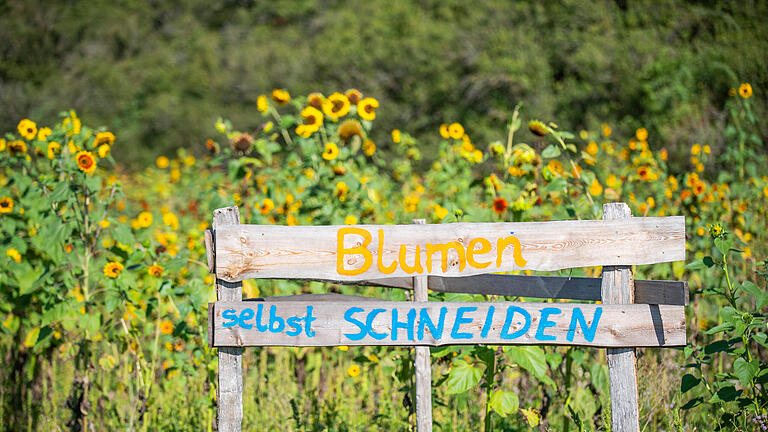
301,323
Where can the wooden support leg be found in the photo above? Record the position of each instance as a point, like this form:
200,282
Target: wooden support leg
230,389
618,288
422,364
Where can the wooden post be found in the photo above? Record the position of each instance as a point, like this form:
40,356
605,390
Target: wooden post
422,364
230,389
618,288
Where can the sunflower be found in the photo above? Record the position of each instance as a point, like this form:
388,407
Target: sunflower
341,190
313,119
14,254
17,147
444,131
596,188
350,220
606,130
86,162
155,271
353,370
354,96
112,269
72,124
745,90
366,109
162,162
331,151
44,133
592,148
262,103
266,206
28,129
350,128
166,327
337,105
104,150
281,97
499,205
644,172
699,187
537,128
102,138
242,142
456,131
54,149
396,136
144,219
6,204
369,147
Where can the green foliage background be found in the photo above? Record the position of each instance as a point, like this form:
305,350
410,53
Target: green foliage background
160,73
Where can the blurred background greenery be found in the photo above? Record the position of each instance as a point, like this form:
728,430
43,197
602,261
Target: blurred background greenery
160,73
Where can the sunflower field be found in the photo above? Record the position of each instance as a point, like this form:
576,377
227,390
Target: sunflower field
105,287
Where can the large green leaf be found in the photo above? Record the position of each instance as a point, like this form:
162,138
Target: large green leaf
532,359
761,297
745,370
689,381
462,377
551,151
504,402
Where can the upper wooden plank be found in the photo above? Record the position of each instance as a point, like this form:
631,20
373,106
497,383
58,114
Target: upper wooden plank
366,252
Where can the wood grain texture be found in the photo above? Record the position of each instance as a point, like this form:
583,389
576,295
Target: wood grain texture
618,325
421,362
230,388
304,252
618,288
210,256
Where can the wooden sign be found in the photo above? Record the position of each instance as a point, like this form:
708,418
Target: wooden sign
375,322
460,249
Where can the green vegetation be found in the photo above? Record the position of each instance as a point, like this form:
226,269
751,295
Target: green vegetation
160,75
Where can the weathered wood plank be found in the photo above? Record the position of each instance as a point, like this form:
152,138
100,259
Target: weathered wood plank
618,288
210,258
554,287
230,388
460,249
249,323
423,384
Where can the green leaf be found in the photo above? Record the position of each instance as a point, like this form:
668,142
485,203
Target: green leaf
761,297
695,265
717,346
504,402
723,244
59,192
708,261
692,403
745,370
726,394
556,185
31,339
761,338
122,234
552,151
462,377
689,381
532,359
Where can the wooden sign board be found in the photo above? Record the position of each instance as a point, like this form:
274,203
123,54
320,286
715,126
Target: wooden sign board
302,323
366,252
